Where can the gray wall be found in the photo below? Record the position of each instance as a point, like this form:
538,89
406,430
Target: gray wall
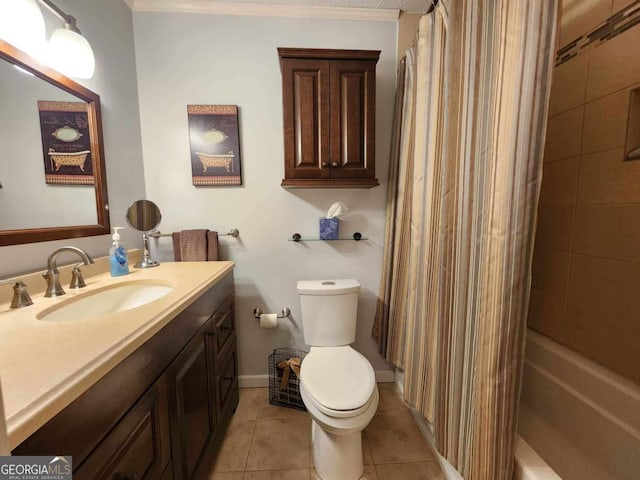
208,59
108,27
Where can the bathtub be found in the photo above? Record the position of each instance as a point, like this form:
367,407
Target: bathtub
581,418
210,161
61,159
578,420
528,464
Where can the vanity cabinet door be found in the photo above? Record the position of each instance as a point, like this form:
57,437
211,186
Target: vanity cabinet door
226,384
223,330
193,423
138,446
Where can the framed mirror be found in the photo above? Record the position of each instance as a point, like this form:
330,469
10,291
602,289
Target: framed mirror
52,170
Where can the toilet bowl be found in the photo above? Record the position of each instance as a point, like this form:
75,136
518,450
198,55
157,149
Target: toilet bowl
338,387
337,384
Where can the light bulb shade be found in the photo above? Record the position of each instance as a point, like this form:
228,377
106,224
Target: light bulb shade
71,54
22,25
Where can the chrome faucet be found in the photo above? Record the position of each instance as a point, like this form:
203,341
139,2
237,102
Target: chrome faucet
54,288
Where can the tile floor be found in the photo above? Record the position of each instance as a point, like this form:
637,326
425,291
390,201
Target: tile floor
266,442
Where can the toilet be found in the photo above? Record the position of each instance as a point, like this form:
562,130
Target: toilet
337,383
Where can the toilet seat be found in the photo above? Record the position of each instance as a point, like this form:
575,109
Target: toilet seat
338,380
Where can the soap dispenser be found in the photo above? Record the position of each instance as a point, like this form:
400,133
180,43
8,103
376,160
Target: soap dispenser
118,258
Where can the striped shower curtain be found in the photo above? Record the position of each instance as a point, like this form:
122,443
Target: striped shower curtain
482,74
389,329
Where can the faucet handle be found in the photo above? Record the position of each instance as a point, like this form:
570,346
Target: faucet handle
76,278
21,296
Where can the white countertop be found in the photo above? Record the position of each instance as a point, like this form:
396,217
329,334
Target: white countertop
44,366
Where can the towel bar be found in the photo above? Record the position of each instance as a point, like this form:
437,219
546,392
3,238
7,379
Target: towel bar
234,232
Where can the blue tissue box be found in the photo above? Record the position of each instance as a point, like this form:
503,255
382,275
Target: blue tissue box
329,228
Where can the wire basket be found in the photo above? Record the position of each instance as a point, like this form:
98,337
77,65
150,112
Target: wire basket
289,396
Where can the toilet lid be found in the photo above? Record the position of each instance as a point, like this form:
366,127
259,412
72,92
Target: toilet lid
339,378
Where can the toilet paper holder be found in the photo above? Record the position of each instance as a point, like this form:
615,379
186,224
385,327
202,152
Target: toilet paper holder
286,312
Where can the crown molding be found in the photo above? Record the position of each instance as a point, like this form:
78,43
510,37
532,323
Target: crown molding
263,10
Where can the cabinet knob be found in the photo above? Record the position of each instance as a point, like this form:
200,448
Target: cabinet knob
335,164
325,164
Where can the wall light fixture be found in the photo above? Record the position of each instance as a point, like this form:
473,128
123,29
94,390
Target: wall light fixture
22,25
68,51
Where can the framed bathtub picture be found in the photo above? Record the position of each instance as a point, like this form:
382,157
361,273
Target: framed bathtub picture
215,145
66,146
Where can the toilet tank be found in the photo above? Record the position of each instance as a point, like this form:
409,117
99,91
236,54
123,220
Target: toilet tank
329,311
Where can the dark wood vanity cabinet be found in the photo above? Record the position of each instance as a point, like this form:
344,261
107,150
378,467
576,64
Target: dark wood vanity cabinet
329,102
192,409
201,383
161,413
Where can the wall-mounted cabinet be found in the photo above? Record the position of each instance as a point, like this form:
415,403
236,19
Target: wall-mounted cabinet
329,103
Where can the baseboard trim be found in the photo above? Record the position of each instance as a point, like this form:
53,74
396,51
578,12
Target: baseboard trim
261,381
253,381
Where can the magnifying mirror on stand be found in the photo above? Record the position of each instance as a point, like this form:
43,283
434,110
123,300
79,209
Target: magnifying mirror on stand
144,216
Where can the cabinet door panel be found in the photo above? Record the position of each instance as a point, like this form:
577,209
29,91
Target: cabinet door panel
306,117
227,385
138,447
193,426
352,119
223,328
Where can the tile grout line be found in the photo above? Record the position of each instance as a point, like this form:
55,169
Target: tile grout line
253,432
632,86
310,468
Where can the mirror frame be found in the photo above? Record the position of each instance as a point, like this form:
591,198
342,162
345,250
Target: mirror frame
32,235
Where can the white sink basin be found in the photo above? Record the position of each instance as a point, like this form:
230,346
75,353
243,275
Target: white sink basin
106,301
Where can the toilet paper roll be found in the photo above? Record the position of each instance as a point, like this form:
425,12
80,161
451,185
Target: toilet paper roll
269,320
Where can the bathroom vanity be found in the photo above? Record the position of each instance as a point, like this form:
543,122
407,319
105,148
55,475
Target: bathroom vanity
143,394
